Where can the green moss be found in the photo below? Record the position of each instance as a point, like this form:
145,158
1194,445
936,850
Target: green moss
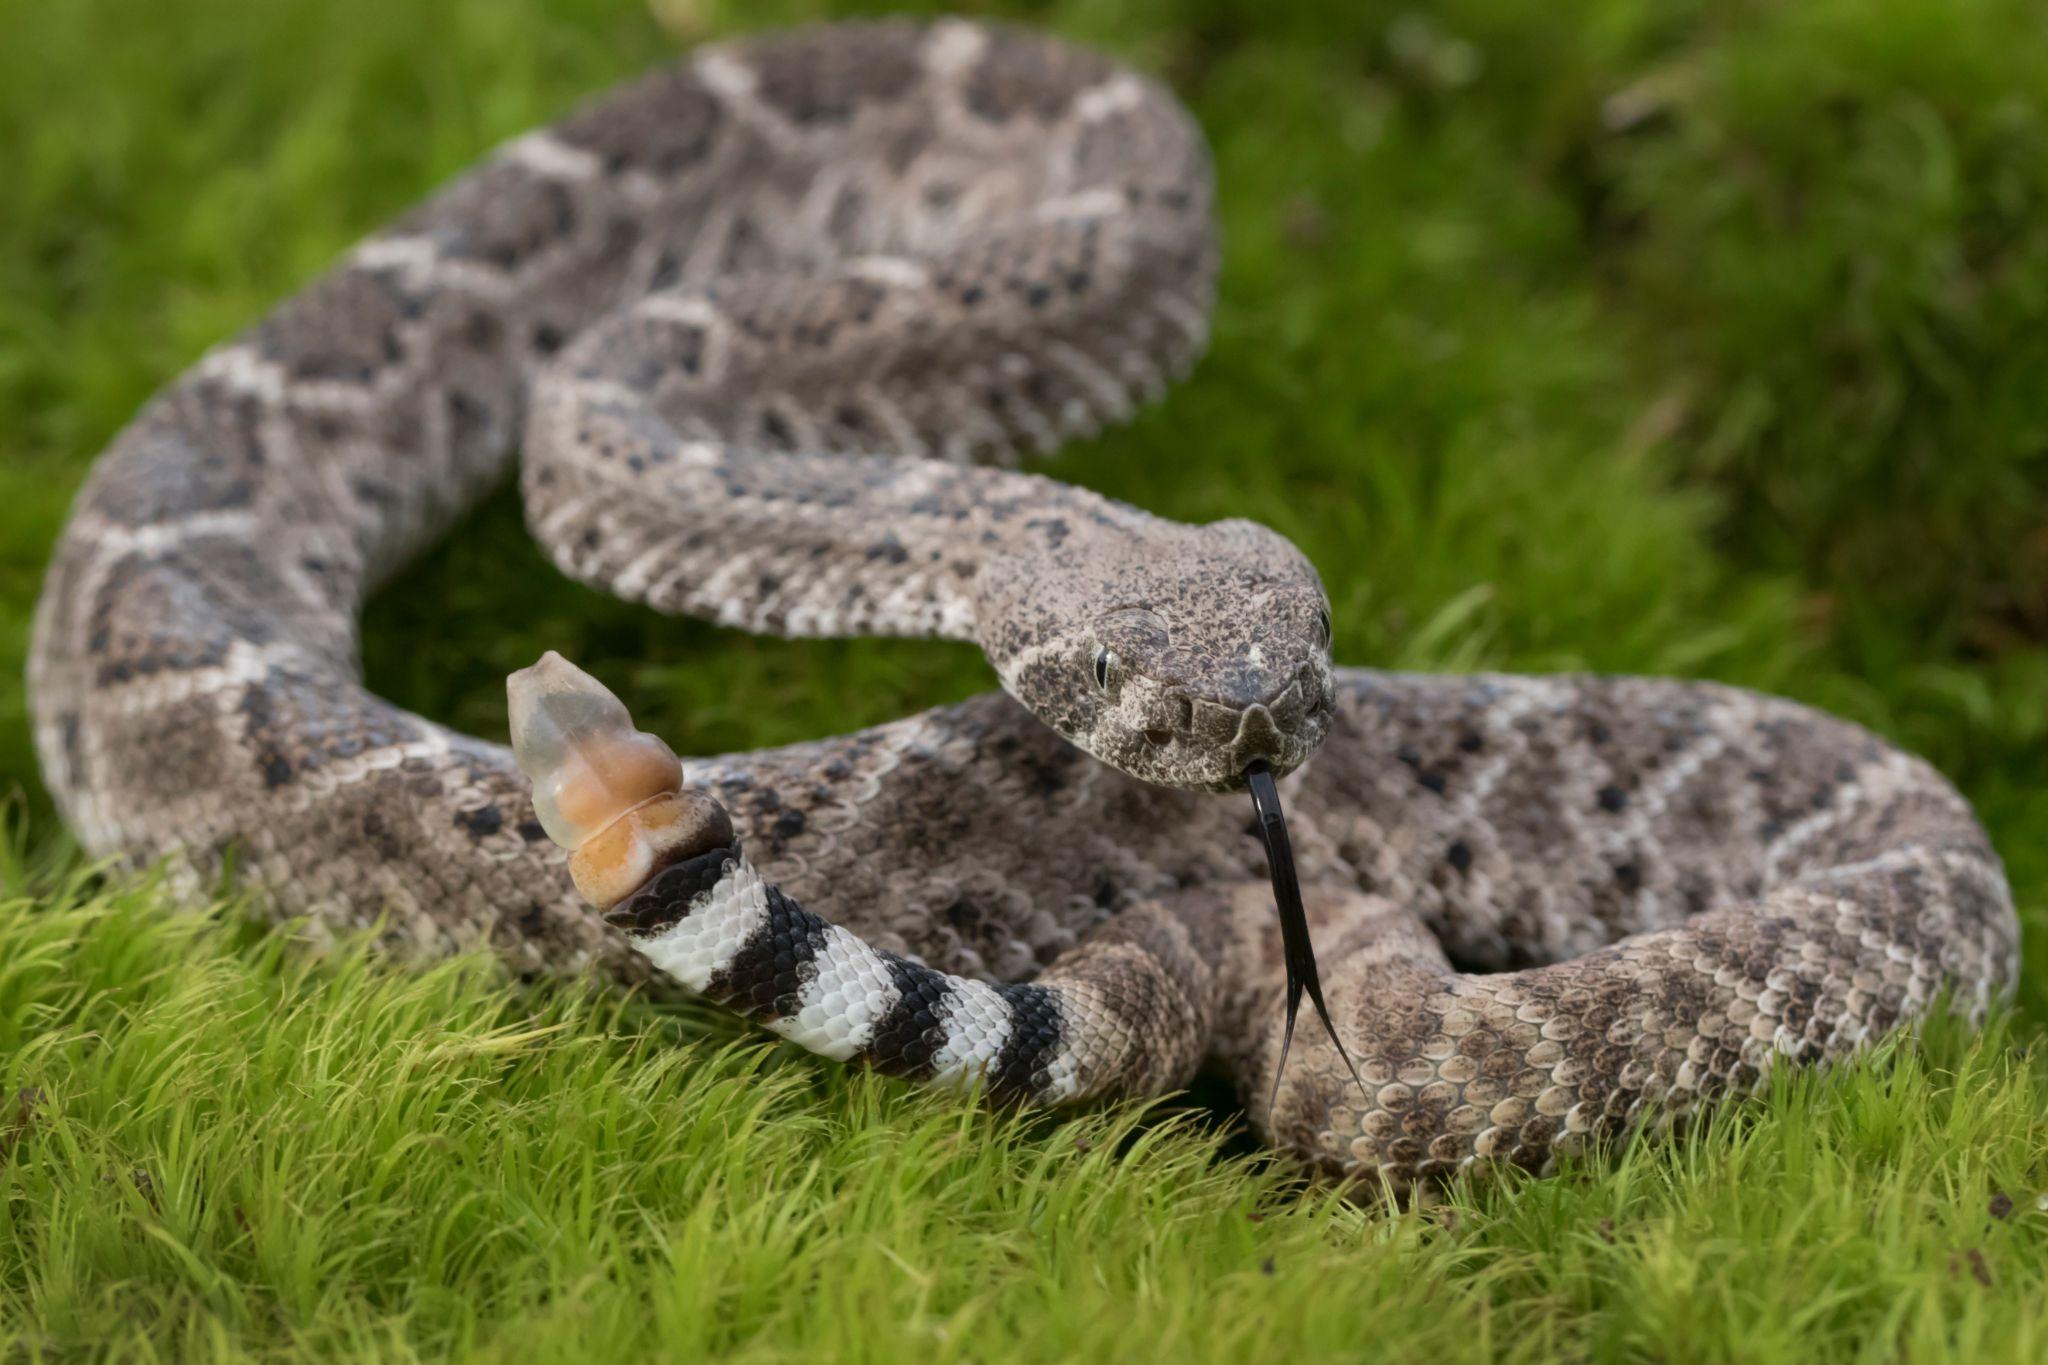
1696,338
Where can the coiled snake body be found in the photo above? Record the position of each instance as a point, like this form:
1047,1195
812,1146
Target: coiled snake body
1546,908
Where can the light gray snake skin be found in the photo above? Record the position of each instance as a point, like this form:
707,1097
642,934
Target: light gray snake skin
1547,909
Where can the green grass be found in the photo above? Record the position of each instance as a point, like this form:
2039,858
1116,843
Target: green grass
1703,338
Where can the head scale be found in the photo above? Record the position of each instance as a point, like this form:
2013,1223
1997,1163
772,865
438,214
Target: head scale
1180,656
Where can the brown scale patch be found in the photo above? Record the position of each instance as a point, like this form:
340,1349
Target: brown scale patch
1205,915
828,76
473,423
663,125
197,449
907,145
1028,76
1143,1001
188,752
748,249
1797,773
176,611
347,328
645,353
773,314
502,215
850,215
294,723
1159,162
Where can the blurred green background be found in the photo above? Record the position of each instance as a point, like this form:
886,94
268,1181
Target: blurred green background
1673,336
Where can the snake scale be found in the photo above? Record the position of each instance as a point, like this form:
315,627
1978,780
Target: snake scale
771,326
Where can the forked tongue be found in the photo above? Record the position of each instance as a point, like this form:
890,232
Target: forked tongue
1300,954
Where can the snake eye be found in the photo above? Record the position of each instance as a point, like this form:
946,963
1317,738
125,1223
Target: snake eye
1105,668
1323,626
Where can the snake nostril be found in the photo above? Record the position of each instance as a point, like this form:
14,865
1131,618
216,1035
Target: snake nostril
1158,737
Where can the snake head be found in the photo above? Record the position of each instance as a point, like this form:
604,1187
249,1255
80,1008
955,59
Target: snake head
1180,656
610,794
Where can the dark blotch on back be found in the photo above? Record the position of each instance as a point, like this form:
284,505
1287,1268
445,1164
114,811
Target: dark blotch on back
346,328
1021,74
197,449
295,723
826,77
481,823
175,610
661,125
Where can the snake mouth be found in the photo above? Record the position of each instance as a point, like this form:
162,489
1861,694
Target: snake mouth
1280,731
1297,950
1263,741
1242,739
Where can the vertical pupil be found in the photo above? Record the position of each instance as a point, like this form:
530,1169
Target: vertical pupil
1323,620
1102,668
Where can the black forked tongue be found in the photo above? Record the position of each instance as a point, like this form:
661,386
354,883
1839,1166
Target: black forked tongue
1299,953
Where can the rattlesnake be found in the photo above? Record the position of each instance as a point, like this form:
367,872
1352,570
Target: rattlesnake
936,248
